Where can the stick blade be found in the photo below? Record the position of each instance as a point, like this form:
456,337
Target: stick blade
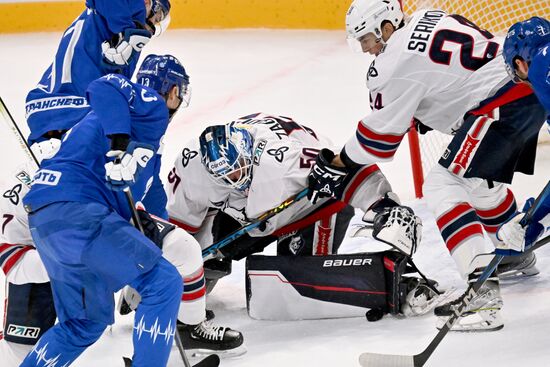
385,360
212,360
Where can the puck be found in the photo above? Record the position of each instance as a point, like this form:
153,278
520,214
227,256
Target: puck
374,314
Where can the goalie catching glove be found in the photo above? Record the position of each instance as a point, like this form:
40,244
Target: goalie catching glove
399,227
124,47
123,171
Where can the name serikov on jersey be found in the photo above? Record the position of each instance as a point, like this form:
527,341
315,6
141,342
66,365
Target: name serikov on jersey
423,30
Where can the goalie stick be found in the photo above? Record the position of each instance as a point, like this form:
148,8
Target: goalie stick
418,360
212,250
210,361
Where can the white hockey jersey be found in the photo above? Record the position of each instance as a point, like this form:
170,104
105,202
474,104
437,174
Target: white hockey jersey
284,152
19,259
435,69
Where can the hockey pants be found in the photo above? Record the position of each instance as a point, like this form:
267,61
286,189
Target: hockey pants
90,252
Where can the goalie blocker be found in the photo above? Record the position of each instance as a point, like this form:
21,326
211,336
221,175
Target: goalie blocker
285,288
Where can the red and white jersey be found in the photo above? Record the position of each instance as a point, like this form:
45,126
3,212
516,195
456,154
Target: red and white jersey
435,69
284,152
19,259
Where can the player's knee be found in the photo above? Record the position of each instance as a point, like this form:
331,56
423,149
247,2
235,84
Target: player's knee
163,283
81,332
183,251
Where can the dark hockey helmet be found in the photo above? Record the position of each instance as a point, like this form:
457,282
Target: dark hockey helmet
226,153
523,40
162,72
159,17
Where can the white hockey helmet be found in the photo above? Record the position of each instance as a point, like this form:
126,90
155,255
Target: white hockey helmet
366,16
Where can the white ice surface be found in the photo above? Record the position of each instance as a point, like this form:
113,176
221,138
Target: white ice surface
313,77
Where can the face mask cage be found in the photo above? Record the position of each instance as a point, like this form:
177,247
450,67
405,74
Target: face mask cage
238,176
227,156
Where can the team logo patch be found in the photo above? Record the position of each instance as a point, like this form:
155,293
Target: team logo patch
373,73
23,331
24,178
13,194
47,177
187,155
259,151
279,153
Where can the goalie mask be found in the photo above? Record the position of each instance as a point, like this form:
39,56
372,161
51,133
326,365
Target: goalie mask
226,152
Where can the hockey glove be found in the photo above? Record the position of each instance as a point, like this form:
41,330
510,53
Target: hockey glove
515,238
150,228
325,178
399,227
124,47
123,171
45,149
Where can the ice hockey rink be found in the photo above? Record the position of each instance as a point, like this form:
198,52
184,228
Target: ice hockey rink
315,78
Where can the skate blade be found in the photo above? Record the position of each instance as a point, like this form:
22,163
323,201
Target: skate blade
518,274
473,322
223,354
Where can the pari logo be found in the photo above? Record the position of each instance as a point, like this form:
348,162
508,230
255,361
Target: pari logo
47,177
23,331
346,262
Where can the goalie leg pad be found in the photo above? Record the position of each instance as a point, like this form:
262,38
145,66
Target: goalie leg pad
30,312
316,287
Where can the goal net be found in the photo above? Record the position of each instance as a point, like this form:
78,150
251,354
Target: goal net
494,15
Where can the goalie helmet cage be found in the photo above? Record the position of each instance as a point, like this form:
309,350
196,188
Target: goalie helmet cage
494,15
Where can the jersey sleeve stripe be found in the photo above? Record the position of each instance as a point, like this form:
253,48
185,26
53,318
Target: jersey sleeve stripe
189,228
11,256
379,145
360,177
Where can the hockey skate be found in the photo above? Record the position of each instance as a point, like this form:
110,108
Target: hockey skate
422,298
481,314
205,338
517,267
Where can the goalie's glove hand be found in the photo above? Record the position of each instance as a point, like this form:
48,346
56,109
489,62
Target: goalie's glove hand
124,47
514,237
45,149
325,178
124,170
399,227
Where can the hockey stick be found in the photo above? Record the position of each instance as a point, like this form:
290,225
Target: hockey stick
8,118
418,360
210,361
212,250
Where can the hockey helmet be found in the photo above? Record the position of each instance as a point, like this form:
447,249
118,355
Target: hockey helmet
523,40
162,72
366,16
159,17
226,153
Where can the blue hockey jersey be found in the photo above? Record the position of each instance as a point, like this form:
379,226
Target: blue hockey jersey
539,75
77,172
58,102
